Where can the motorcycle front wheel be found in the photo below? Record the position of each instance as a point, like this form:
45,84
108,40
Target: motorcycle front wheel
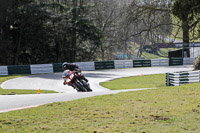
86,85
80,87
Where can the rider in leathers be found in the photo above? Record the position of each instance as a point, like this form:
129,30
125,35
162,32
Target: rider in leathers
72,67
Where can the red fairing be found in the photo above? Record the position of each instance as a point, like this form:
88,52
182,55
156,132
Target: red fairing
71,75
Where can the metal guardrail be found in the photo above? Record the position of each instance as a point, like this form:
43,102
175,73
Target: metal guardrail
41,68
104,65
180,78
175,61
91,66
160,62
86,66
57,67
141,63
20,69
123,64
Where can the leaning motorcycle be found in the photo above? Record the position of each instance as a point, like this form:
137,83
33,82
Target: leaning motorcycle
74,79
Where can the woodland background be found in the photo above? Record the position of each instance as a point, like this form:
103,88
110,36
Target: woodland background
50,31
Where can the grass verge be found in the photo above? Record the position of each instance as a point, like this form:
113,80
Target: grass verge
146,81
17,91
162,110
162,53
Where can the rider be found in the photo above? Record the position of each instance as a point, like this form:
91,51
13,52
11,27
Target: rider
72,67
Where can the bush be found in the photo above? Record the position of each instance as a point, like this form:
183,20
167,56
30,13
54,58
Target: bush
197,63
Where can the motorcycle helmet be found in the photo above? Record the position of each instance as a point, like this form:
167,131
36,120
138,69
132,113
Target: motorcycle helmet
65,65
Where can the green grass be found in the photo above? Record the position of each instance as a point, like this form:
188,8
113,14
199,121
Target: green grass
163,53
150,56
163,110
18,91
147,81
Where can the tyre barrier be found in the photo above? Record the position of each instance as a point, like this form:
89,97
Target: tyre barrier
181,78
92,66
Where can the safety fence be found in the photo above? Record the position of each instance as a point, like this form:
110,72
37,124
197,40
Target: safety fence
86,66
175,61
91,66
104,65
3,70
159,62
180,78
123,64
141,63
20,69
41,68
188,61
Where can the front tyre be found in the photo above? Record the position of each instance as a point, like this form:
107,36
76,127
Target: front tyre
80,87
86,85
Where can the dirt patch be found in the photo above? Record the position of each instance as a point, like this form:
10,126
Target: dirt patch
159,118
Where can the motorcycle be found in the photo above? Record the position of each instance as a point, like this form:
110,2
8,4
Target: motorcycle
74,79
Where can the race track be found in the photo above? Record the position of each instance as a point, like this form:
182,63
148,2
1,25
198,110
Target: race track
54,82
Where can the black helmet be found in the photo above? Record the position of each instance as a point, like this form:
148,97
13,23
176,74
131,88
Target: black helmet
65,65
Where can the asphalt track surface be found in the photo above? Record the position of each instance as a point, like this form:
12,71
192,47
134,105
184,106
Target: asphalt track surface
54,82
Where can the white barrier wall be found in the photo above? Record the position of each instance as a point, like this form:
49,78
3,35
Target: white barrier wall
41,68
3,70
180,78
188,61
159,62
123,64
90,66
86,66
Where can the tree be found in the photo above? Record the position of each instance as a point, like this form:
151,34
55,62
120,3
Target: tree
83,36
46,31
29,42
106,15
4,30
147,23
188,12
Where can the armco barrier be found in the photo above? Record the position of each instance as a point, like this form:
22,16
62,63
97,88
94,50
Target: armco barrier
98,65
175,61
159,62
188,61
180,78
20,69
123,64
141,63
41,68
86,66
57,67
3,70
104,65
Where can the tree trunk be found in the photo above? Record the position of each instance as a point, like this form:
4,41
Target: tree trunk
186,47
18,48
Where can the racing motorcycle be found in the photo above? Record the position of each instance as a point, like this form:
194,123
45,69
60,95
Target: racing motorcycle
74,79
